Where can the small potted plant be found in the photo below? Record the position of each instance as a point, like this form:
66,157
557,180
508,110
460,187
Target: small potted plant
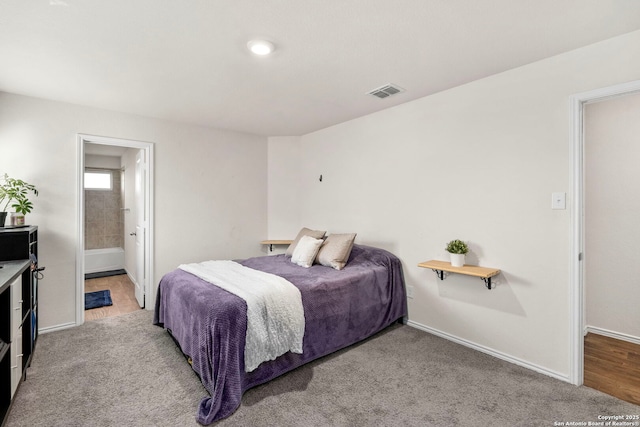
15,190
457,249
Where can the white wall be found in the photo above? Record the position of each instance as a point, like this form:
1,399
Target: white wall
283,189
612,212
210,188
478,162
98,161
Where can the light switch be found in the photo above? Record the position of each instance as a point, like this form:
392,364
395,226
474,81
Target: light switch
558,200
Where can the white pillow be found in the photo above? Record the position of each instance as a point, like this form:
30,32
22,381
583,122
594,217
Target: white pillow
306,251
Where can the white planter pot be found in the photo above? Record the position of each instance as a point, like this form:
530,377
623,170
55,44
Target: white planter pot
457,260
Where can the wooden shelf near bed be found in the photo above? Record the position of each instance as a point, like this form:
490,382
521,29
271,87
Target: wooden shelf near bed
275,242
485,273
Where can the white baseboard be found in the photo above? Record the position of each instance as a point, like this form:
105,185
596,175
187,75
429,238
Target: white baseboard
612,334
490,352
147,306
131,278
56,328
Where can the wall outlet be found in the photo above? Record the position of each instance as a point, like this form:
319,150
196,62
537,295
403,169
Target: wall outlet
409,291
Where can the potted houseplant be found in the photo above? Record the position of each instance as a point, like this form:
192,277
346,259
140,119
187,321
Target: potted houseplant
457,249
16,191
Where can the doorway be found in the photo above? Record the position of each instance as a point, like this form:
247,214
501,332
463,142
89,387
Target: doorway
578,267
137,233
611,209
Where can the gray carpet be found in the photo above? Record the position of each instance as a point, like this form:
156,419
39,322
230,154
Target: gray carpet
124,371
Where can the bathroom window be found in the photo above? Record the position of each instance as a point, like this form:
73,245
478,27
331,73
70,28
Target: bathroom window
98,180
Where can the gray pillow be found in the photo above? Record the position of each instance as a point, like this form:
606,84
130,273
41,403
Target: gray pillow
335,250
316,234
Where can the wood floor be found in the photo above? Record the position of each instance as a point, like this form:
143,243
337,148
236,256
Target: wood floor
122,295
612,366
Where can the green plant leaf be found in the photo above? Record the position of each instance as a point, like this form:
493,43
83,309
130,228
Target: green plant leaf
16,190
457,247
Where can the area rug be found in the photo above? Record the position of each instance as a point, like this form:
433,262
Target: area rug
97,299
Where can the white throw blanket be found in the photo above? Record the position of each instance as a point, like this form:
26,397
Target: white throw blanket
275,317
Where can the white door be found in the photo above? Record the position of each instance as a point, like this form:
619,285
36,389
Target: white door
141,226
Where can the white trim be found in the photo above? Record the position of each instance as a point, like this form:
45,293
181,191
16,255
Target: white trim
576,289
55,328
576,294
491,352
612,334
80,233
149,237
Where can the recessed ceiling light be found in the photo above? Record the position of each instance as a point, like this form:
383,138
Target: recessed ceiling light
261,47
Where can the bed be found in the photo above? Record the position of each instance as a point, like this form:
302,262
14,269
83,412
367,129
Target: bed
341,307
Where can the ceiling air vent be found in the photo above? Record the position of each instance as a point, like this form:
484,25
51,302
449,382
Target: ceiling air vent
386,91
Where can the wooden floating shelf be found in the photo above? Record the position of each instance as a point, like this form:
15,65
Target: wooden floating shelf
485,273
275,242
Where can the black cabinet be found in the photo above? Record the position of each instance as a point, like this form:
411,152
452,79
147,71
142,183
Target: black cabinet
13,275
18,308
19,244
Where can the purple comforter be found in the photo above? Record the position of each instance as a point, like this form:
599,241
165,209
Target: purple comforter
341,308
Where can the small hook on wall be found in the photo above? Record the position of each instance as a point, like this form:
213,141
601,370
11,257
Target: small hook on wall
320,178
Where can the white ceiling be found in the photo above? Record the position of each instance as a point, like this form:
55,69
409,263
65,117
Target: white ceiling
187,60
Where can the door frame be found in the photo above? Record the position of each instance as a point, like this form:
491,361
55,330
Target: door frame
148,147
577,297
